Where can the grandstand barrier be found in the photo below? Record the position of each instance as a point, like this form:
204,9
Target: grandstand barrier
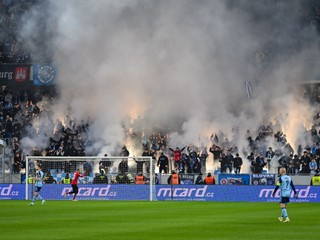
207,193
242,179
221,179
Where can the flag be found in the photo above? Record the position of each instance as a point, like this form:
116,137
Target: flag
248,88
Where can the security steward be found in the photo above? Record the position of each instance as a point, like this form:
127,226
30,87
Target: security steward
31,180
140,179
174,178
315,180
209,180
66,179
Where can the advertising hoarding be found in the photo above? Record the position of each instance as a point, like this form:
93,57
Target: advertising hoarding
218,193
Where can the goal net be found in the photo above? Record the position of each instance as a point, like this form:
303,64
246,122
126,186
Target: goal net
101,178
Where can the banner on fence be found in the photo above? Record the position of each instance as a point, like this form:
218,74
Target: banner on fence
220,193
234,179
186,178
44,74
263,179
14,74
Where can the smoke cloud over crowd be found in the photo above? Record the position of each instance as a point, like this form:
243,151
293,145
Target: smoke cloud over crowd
184,66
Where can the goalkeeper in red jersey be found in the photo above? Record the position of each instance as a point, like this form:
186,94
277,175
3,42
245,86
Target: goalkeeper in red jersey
74,184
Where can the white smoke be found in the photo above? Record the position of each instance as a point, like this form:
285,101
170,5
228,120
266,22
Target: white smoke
181,65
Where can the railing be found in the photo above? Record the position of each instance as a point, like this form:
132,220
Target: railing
6,160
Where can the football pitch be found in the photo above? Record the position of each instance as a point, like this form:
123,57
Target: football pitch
156,220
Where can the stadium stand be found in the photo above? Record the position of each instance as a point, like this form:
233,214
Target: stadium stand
18,108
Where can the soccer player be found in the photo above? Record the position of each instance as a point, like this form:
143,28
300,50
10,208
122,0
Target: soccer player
286,185
38,185
74,184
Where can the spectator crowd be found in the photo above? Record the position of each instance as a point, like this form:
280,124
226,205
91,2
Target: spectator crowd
19,108
13,47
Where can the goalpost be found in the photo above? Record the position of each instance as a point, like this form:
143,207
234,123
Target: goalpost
104,178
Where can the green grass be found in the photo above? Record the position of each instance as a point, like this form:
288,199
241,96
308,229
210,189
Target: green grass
155,220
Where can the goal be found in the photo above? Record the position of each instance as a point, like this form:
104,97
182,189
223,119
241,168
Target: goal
103,178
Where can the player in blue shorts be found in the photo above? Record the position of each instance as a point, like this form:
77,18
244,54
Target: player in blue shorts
286,185
38,185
